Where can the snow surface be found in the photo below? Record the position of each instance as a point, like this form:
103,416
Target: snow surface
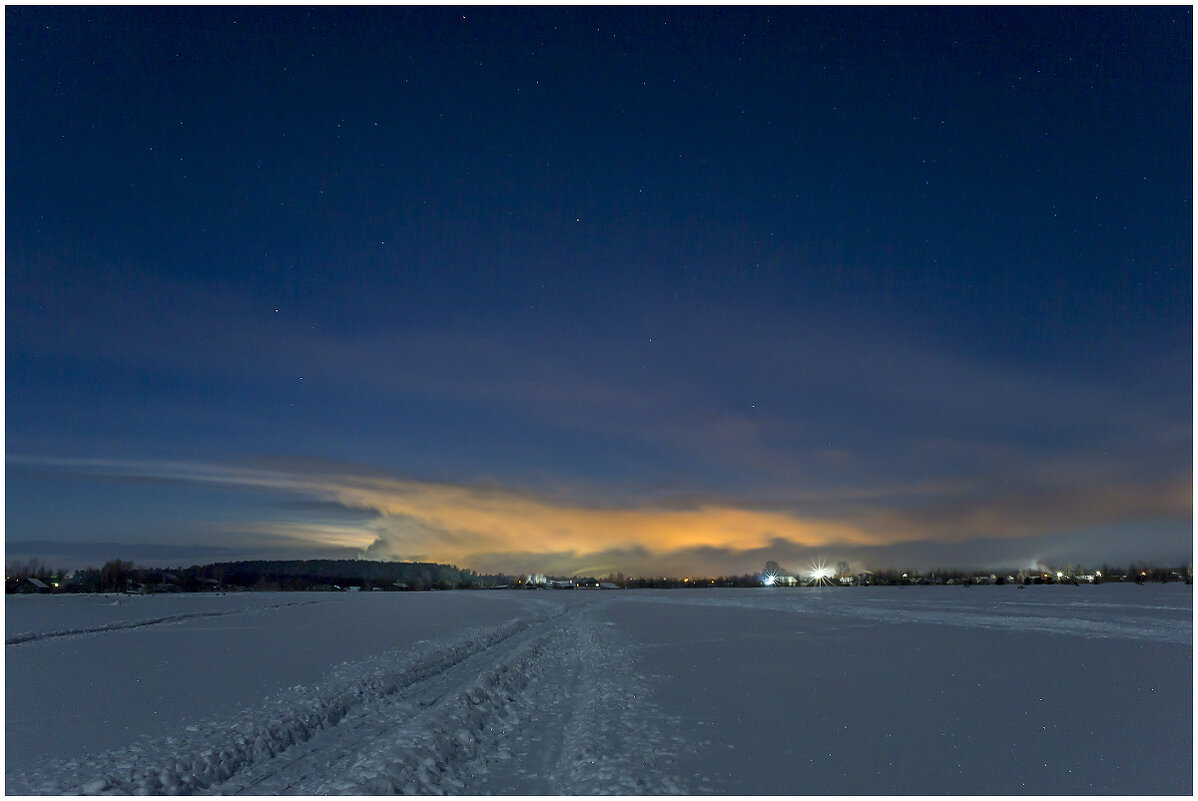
880,690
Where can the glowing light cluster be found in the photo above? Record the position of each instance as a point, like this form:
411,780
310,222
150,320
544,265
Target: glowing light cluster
820,573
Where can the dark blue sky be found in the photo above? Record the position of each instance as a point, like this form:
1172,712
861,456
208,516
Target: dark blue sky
600,289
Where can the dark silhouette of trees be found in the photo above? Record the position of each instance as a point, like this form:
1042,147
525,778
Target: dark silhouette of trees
16,572
330,573
116,575
31,568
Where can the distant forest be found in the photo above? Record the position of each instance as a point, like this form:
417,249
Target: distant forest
311,574
332,574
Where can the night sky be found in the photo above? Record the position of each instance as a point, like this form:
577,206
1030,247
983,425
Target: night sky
576,290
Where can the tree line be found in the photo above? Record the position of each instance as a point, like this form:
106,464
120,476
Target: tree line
312,574
340,574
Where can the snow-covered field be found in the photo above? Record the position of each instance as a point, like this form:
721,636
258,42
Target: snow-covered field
914,690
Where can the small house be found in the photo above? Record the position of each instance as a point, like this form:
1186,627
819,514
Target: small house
29,584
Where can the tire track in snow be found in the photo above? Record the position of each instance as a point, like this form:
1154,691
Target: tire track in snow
426,714
210,754
546,711
548,704
38,636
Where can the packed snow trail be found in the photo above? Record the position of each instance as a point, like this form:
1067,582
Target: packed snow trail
532,706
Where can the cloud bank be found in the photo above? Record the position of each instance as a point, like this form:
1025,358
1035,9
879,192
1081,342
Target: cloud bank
326,506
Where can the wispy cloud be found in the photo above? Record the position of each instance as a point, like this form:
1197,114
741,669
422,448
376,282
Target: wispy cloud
501,528
770,403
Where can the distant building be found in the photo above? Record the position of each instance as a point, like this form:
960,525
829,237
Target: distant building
31,585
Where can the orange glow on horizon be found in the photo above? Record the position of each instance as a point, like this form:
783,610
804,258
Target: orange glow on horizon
496,528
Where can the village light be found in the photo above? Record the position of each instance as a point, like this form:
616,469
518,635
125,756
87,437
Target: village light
820,573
